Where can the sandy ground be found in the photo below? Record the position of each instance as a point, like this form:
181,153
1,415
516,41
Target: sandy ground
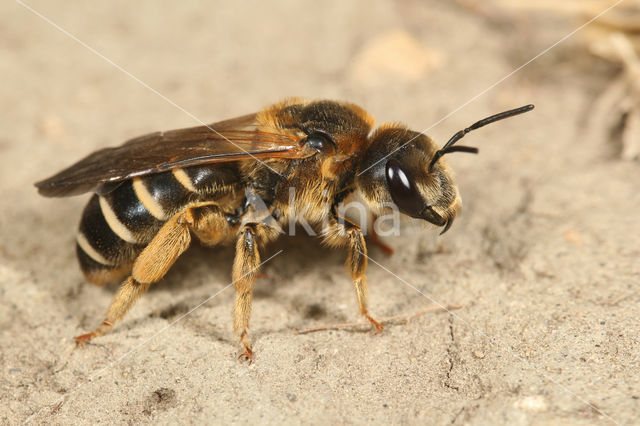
543,261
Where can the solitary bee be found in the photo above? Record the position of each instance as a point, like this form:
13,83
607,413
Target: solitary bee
155,192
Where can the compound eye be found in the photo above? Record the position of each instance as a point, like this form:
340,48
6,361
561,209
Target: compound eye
320,142
403,190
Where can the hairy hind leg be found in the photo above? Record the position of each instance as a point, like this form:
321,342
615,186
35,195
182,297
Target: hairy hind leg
155,261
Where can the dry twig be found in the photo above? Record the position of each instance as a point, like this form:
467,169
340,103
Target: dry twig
362,326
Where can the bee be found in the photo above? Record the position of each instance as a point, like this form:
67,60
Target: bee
154,193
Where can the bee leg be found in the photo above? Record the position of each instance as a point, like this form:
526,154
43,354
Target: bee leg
245,271
151,265
357,263
376,240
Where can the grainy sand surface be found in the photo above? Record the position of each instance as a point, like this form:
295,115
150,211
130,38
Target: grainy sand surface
543,260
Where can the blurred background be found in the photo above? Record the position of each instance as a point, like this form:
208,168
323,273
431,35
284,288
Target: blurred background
543,259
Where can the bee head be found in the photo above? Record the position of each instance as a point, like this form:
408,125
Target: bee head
409,178
407,168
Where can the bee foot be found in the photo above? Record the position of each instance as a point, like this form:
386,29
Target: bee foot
378,326
84,338
104,327
247,354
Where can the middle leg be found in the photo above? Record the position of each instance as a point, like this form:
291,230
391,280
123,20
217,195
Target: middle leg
245,271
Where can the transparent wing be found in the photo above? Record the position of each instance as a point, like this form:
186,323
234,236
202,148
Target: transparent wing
237,139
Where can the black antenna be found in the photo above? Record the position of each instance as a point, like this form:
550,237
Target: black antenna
448,147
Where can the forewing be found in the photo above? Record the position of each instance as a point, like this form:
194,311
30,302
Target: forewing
232,140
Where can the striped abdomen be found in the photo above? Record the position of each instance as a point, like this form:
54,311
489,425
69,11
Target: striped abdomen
116,226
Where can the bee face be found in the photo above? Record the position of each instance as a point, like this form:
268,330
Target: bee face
406,179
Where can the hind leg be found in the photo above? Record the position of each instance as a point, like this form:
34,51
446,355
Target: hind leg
156,260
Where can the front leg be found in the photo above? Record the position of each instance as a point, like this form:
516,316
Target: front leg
349,233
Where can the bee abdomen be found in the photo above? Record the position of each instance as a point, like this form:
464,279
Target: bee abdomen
101,247
117,225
